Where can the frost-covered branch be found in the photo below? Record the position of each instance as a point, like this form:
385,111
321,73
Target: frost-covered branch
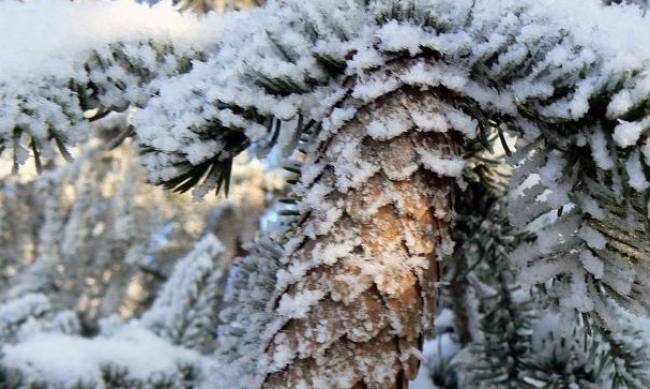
58,75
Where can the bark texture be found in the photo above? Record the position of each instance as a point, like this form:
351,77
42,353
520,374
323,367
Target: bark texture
365,256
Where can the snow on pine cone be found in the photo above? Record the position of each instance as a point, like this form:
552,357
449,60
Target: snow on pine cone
359,284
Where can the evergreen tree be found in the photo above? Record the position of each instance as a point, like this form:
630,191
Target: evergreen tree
179,324
185,310
376,104
249,288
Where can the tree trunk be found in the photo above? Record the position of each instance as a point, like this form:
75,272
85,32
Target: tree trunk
363,263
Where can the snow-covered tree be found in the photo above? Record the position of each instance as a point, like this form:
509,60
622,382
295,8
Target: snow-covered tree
106,249
159,350
185,311
377,106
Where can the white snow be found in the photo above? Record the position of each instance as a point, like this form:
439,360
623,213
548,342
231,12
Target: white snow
439,351
593,238
388,128
437,163
600,152
462,122
351,170
65,360
20,309
592,264
627,133
299,305
53,37
430,121
396,37
444,320
634,169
